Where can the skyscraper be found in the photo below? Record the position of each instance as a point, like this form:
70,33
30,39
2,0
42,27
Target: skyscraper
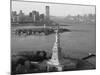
21,16
14,16
47,13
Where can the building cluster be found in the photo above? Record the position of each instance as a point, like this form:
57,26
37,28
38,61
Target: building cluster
89,18
36,17
33,16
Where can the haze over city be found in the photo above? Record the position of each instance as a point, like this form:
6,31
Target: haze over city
55,9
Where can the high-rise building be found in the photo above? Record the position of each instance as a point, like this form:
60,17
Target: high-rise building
30,14
47,13
21,16
41,17
34,16
13,16
37,16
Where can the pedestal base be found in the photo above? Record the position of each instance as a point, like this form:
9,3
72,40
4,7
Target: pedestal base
55,65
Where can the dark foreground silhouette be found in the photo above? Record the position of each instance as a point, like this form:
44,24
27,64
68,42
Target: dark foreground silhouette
35,62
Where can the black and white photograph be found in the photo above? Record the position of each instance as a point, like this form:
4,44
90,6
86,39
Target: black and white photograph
52,37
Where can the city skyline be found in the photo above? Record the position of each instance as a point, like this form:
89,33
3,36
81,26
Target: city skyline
55,9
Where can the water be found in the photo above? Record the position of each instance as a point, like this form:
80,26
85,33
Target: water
77,43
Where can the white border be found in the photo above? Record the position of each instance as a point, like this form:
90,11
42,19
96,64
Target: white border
5,36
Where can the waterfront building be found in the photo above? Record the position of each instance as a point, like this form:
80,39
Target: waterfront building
30,14
47,13
13,16
34,16
28,19
37,16
41,18
21,16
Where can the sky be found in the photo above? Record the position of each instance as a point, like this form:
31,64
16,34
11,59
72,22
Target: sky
55,9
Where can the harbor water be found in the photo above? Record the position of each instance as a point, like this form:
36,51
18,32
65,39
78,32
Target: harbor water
77,43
